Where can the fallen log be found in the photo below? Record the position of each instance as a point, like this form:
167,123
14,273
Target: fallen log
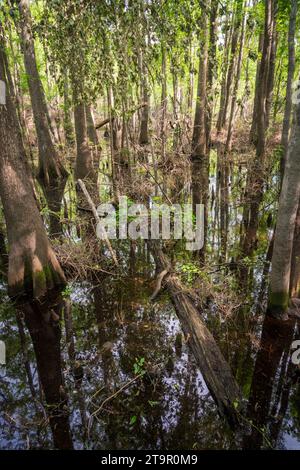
210,360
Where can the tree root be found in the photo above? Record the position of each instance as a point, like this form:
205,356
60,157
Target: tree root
29,277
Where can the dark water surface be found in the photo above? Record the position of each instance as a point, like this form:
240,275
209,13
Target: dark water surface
131,381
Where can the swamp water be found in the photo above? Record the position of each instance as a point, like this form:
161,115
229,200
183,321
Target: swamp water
130,380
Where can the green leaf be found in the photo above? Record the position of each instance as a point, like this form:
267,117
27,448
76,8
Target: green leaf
133,420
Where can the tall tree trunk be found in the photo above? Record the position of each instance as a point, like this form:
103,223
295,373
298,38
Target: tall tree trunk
190,92
212,67
271,70
144,137
92,135
91,131
50,167
255,178
228,36
295,263
275,343
200,154
163,102
232,62
67,119
253,130
199,157
288,96
235,86
285,229
84,167
265,78
33,267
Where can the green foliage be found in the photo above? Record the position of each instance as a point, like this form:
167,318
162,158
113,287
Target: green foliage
138,366
189,271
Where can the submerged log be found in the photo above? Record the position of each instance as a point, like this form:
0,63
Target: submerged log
214,368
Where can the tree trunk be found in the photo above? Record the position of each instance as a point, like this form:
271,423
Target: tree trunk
285,229
144,137
253,130
272,63
67,120
288,99
33,267
199,151
212,67
228,35
93,137
84,167
91,130
275,342
50,167
163,102
235,87
199,154
231,68
256,174
295,263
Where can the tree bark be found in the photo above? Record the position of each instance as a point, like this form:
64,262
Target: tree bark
232,62
212,67
50,166
253,130
144,137
288,96
235,87
228,36
84,167
67,119
199,153
256,174
33,267
285,229
272,63
295,263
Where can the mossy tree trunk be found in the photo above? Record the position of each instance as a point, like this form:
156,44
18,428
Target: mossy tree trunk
33,267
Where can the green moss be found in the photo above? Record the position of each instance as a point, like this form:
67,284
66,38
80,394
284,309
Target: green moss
35,285
48,274
278,302
39,283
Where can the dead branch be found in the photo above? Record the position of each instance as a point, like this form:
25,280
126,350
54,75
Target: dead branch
97,218
159,280
107,120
